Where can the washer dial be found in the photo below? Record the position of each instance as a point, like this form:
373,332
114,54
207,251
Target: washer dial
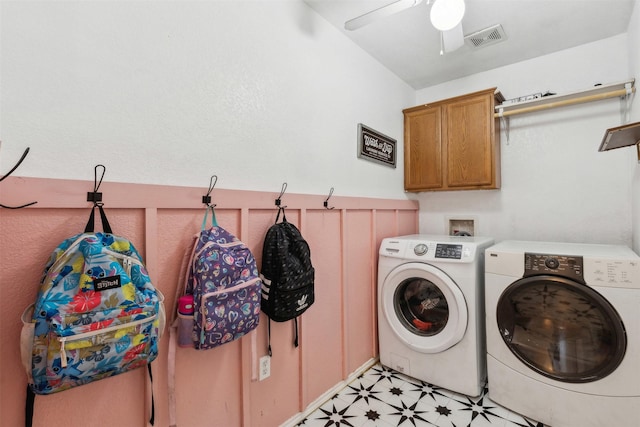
552,263
420,249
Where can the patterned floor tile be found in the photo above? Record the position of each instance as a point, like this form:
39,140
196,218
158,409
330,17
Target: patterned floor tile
375,413
381,397
336,413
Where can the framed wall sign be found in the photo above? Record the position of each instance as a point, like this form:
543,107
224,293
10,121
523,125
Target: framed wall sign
376,147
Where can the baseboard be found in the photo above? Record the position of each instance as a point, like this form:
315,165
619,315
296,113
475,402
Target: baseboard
322,399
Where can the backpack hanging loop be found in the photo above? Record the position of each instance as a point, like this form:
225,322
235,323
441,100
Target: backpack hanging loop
284,216
326,202
206,199
95,196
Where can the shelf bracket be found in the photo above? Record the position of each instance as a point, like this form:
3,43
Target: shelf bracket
627,96
505,122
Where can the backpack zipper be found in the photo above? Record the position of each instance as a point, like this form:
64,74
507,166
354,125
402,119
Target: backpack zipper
85,335
127,263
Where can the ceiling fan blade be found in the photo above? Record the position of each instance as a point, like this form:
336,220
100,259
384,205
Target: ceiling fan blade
381,12
452,39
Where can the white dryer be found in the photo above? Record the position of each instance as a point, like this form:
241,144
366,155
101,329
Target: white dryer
563,332
430,309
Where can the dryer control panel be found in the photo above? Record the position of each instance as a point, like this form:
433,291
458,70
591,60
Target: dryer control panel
567,266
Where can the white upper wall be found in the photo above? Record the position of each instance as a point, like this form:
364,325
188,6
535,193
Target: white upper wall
261,93
556,186
258,93
634,65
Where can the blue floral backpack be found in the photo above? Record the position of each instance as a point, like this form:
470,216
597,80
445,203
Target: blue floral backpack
96,315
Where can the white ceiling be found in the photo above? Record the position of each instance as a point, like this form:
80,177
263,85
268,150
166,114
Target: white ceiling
407,44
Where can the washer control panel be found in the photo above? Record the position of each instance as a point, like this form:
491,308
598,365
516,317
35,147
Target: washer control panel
571,267
449,251
426,248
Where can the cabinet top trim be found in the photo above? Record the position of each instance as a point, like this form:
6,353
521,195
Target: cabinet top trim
498,97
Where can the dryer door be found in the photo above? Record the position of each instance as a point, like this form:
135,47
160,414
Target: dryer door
561,329
424,307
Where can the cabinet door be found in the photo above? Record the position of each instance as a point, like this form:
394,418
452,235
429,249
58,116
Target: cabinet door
423,149
469,142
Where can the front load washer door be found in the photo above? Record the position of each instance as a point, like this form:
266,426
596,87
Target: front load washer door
424,307
561,329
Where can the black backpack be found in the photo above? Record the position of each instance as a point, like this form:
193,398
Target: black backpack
287,274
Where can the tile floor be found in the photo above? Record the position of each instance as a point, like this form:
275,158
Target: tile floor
381,397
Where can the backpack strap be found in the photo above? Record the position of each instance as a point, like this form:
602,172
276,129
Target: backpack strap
295,334
152,416
28,407
181,288
269,337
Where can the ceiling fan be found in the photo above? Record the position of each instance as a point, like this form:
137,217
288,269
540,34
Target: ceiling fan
446,17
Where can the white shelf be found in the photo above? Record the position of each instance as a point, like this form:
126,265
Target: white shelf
595,93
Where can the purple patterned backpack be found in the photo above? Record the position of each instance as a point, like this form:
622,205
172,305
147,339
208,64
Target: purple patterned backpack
223,278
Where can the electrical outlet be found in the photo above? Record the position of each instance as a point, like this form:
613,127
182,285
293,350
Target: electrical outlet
265,367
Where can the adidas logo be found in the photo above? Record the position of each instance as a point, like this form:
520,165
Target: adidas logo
302,303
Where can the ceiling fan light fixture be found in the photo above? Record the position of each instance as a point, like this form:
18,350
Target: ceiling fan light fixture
447,14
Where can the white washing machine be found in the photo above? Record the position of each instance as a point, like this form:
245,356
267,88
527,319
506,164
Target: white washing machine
563,332
430,315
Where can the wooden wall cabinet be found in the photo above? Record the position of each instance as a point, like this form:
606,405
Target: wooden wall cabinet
453,144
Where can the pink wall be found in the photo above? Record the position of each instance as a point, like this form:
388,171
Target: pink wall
217,387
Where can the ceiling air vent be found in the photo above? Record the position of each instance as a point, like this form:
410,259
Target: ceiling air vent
491,35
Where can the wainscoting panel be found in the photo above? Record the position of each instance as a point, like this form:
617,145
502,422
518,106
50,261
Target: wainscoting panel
217,387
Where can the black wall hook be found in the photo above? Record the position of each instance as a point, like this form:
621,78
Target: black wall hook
278,200
206,199
24,155
95,196
326,202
